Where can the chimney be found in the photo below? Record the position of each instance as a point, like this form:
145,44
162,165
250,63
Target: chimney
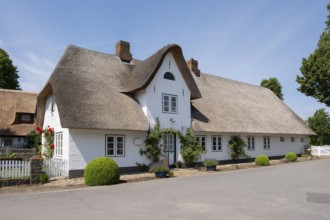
123,51
193,66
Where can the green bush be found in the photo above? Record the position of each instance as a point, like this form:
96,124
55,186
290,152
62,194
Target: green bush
262,160
159,168
210,162
101,171
291,157
43,178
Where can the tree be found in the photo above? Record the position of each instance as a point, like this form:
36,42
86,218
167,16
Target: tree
274,85
8,72
237,148
190,149
320,123
315,79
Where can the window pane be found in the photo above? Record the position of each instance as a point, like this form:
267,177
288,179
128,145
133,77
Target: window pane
165,142
173,104
171,142
26,117
110,139
166,103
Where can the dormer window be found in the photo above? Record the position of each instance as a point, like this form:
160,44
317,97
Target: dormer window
169,76
25,118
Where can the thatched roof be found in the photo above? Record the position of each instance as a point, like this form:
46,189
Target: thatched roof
236,107
13,102
143,73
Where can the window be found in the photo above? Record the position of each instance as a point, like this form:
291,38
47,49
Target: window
266,143
168,142
250,143
293,139
115,145
25,118
7,142
216,143
282,139
302,140
169,76
170,104
202,141
58,144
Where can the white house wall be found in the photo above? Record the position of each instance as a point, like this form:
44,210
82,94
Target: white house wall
52,119
86,145
277,148
151,98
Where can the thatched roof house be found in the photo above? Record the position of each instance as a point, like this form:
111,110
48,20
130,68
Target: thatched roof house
102,86
17,111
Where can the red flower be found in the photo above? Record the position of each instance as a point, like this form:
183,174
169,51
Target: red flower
50,130
52,146
39,130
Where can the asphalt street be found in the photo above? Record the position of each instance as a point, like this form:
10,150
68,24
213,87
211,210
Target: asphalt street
290,191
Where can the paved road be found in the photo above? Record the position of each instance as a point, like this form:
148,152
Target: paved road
291,191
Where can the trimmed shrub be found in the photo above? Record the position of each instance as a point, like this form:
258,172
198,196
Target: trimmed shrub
210,162
101,171
291,157
159,168
43,178
262,160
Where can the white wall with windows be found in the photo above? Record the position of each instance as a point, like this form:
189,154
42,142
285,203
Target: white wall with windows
122,146
61,135
217,144
167,97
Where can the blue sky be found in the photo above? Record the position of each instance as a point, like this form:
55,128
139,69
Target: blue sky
237,39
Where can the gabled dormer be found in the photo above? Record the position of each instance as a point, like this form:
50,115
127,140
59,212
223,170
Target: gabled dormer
167,89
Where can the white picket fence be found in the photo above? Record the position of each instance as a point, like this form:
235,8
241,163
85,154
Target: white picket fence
14,168
321,150
55,167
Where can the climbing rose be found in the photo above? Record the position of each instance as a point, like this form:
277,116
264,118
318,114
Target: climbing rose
39,130
52,146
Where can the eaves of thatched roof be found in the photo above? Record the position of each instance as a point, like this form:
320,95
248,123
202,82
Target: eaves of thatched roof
230,106
13,102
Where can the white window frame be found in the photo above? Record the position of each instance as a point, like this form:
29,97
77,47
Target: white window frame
116,145
202,140
250,143
58,150
168,105
216,143
168,142
266,143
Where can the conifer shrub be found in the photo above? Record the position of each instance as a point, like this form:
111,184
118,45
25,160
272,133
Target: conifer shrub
291,157
101,171
262,160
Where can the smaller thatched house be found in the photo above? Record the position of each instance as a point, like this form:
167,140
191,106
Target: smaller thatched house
17,117
103,105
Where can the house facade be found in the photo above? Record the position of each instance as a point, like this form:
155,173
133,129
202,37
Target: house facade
17,117
103,105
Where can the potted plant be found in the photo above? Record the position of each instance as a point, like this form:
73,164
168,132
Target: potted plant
210,164
161,171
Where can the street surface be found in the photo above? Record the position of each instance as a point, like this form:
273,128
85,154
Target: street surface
290,191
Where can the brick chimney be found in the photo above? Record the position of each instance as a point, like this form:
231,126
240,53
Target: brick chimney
123,51
193,66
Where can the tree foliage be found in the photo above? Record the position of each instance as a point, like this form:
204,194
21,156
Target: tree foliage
190,150
237,147
274,85
320,123
315,79
8,72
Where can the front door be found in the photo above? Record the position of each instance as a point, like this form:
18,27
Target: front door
169,147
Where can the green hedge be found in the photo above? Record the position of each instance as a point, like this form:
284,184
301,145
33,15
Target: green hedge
291,157
262,160
101,171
